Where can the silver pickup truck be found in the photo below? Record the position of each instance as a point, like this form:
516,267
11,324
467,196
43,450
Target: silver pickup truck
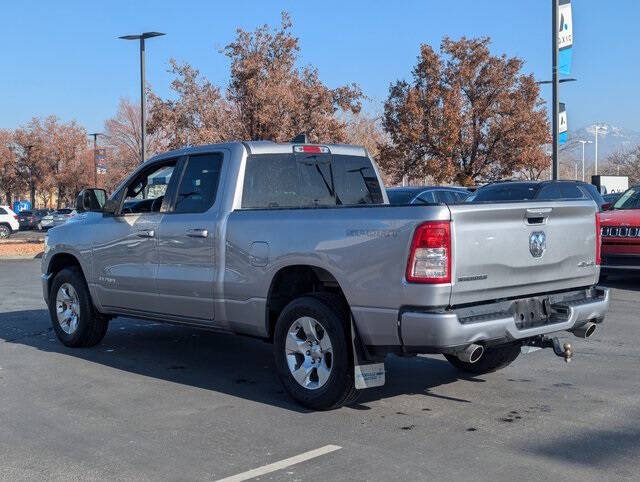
296,243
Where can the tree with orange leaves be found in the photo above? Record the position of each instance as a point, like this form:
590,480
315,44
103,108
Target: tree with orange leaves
466,116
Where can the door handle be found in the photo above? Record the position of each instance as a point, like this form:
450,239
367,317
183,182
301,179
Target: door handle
146,233
197,233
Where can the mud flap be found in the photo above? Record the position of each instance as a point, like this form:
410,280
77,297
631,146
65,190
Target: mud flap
366,374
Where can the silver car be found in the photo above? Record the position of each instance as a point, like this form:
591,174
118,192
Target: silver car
55,218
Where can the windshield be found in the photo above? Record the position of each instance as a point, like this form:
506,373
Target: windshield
505,192
629,200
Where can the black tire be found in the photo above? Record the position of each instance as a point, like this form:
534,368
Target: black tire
92,326
339,389
493,359
5,231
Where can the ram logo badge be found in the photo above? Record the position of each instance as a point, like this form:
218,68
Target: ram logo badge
537,244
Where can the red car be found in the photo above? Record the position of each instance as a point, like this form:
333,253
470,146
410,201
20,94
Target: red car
621,234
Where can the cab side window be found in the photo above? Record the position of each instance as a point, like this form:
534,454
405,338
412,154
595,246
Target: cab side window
146,192
2,211
199,183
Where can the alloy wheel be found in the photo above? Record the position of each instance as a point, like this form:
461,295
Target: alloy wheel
67,308
309,352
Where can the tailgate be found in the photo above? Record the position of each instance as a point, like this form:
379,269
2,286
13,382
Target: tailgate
518,249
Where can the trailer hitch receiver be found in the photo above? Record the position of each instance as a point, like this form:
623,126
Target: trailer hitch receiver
564,351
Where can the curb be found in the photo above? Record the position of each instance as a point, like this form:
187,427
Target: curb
16,258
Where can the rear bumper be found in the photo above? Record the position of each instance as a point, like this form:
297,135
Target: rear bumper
438,332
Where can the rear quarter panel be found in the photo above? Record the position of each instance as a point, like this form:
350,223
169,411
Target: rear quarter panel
364,248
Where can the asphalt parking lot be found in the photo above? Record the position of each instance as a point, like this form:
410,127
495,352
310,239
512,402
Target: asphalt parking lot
156,402
28,235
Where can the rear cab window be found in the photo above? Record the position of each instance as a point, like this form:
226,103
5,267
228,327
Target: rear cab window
304,180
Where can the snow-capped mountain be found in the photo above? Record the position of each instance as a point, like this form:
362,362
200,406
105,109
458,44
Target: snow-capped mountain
610,139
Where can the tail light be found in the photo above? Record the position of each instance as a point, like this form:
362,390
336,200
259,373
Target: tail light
430,255
598,241
15,216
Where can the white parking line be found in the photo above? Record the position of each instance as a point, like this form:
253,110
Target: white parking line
282,464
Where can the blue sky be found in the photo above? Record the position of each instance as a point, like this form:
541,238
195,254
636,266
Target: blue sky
64,58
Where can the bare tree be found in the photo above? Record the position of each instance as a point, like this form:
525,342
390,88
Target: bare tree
624,163
123,142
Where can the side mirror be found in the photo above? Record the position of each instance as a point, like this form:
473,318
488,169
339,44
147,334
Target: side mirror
606,206
91,200
112,205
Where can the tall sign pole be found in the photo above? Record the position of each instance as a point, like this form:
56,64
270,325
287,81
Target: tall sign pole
554,83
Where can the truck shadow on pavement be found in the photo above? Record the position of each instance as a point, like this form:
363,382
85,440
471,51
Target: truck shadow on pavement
235,365
623,282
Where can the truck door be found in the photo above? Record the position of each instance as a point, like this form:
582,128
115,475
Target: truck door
125,254
186,269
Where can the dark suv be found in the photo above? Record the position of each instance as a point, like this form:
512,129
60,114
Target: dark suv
536,190
31,219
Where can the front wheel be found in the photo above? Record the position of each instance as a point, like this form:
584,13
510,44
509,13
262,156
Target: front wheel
74,319
493,359
312,353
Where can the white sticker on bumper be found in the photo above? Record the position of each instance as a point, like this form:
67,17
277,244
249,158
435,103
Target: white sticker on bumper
369,376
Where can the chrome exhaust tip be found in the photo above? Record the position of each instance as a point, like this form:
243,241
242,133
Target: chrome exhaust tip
471,354
585,331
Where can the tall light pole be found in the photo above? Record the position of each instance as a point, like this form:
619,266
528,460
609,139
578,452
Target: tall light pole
583,143
95,157
143,105
596,157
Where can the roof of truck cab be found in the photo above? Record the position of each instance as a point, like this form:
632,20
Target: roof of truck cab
261,147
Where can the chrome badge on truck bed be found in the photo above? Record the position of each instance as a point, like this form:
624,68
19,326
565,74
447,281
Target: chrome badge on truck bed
537,243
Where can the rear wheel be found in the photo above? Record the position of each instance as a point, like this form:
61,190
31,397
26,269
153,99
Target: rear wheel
493,359
312,353
74,319
5,231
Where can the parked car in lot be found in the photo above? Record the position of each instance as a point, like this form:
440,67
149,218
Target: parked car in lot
610,199
536,190
56,218
8,222
621,234
32,219
295,243
427,195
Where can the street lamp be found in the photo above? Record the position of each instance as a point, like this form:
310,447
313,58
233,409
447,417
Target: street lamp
596,158
95,157
143,108
583,143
